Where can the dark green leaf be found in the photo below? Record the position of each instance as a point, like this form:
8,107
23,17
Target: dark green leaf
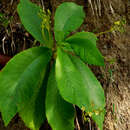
84,45
68,18
29,15
33,114
20,78
60,114
78,85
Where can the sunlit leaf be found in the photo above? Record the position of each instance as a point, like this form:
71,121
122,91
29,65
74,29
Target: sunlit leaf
60,114
68,17
84,45
78,85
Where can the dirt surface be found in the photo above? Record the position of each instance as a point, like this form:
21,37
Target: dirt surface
117,84
115,47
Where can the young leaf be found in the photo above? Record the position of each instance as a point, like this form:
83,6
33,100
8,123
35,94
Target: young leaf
20,78
84,45
60,114
69,16
78,85
29,15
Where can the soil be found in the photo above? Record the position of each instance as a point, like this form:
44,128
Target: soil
115,47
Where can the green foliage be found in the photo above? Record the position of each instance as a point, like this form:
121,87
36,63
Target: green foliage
46,27
70,82
32,22
78,85
21,80
81,42
57,109
72,16
118,26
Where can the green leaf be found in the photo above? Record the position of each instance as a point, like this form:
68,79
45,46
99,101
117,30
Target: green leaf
69,16
98,117
33,114
20,78
60,114
29,15
84,45
78,85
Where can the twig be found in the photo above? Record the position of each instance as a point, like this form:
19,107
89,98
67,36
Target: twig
90,126
3,42
90,2
99,7
42,4
11,2
77,123
96,8
111,8
12,39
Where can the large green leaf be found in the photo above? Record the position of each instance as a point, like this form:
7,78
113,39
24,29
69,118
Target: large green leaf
78,85
60,114
69,16
29,15
95,92
84,45
20,78
33,114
